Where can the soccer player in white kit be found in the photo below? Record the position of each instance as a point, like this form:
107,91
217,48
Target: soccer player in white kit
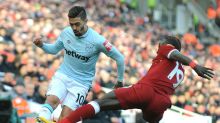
82,47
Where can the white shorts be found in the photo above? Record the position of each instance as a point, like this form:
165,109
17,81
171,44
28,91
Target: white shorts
70,92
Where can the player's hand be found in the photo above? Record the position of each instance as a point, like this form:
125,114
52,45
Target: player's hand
118,84
38,42
204,72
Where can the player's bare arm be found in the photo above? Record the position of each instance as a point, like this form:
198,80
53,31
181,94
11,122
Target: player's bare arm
204,72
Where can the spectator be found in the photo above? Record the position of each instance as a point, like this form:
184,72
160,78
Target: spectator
37,16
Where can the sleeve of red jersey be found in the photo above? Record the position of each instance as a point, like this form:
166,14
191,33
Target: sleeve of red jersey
166,50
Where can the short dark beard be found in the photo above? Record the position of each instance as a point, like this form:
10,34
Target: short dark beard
83,30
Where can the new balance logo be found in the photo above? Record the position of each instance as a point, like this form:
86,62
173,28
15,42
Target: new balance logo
76,55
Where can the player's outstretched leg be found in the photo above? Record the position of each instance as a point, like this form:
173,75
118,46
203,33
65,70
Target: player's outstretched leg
108,102
84,112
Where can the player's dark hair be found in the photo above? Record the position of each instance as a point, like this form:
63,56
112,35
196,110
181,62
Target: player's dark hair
173,41
77,11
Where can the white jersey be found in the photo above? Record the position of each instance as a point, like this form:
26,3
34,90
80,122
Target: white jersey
81,54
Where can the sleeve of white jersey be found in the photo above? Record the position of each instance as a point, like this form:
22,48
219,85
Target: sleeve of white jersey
107,48
53,48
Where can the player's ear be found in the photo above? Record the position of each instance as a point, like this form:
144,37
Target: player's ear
161,43
86,20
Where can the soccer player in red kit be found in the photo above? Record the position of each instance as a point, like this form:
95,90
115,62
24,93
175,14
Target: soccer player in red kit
151,93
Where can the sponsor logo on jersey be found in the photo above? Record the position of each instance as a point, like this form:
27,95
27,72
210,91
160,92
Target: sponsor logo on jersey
107,45
76,55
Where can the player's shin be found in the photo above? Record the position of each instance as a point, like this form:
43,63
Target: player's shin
46,111
96,106
84,112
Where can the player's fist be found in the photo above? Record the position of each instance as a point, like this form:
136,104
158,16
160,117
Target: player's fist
38,42
118,85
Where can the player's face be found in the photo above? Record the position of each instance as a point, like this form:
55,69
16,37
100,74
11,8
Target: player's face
78,26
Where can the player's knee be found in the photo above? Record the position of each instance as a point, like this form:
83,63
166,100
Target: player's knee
157,120
65,112
108,104
152,119
61,116
100,102
53,101
103,102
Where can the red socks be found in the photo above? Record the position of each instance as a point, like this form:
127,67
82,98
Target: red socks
84,112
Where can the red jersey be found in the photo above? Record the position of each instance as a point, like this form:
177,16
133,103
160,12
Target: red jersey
164,74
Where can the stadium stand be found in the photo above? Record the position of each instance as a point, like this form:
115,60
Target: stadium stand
25,71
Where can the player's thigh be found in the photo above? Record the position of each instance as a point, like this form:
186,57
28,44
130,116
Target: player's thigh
57,87
136,96
75,98
154,111
127,97
145,94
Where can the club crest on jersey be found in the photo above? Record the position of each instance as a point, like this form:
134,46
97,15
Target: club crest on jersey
68,41
89,47
107,45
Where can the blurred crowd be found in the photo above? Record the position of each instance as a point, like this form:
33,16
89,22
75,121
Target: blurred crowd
26,71
213,11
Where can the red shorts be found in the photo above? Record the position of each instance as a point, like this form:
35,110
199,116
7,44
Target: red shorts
152,102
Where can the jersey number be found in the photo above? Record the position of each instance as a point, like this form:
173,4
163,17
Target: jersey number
80,99
179,75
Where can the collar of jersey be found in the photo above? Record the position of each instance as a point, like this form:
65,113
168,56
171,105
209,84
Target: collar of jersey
84,35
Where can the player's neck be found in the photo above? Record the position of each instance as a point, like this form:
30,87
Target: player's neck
85,30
